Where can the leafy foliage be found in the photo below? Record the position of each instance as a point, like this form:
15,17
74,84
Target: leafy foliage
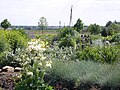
68,41
16,40
34,65
104,54
47,38
4,46
68,37
110,29
116,38
94,29
10,41
58,54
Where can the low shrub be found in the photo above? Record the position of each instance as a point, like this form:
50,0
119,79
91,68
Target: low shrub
34,65
10,41
105,54
86,72
116,38
4,45
58,54
69,41
47,38
16,39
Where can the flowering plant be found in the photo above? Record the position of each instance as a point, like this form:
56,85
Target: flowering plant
34,65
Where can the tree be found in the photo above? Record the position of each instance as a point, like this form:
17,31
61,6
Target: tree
5,24
104,32
110,30
79,25
108,23
42,23
94,29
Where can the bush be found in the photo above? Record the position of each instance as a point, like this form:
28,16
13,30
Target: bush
86,72
10,41
104,32
48,39
116,38
16,39
69,41
94,29
68,37
4,45
34,65
105,54
66,32
58,54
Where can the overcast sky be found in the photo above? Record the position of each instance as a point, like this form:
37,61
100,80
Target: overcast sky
28,12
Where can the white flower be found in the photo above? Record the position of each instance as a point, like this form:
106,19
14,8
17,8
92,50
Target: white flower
48,64
39,45
29,43
36,42
43,49
36,58
13,54
40,64
50,61
27,59
31,84
31,47
30,73
43,58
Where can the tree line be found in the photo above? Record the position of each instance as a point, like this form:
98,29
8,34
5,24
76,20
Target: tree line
109,29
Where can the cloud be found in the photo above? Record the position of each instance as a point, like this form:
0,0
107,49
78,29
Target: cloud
29,11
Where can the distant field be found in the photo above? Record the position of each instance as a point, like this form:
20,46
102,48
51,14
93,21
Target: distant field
38,32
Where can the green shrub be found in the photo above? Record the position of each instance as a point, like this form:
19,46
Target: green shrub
34,65
105,32
16,39
4,45
10,41
14,36
86,72
68,37
64,54
47,38
105,54
69,41
116,38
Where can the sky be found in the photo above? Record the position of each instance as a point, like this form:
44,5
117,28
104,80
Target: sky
28,12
